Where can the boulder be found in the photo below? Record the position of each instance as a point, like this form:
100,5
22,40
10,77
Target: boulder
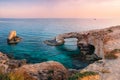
50,70
12,35
13,38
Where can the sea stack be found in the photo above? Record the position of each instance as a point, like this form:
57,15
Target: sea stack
13,38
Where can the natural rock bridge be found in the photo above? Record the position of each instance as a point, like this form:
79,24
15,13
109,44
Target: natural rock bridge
102,39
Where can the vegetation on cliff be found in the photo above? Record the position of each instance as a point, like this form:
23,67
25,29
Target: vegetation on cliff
112,54
78,76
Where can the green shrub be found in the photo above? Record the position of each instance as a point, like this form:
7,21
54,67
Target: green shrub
115,51
81,75
49,78
111,55
110,30
4,76
50,71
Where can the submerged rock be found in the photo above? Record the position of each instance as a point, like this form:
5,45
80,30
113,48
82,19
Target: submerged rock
13,38
55,42
51,42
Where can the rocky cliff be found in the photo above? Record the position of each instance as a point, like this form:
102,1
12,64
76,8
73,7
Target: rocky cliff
104,40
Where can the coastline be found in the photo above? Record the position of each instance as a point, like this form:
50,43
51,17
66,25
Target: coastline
57,71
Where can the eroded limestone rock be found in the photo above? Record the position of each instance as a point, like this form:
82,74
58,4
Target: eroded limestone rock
12,34
13,38
104,40
3,58
50,70
7,64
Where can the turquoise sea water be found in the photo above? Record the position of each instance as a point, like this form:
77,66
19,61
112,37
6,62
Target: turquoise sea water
35,31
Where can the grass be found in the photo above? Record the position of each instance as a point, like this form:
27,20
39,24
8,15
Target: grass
111,55
3,76
16,76
11,76
81,75
20,75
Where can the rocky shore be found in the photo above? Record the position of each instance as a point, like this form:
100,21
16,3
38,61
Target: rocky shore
50,70
103,43
104,40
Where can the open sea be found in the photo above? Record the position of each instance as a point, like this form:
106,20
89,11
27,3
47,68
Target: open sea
35,31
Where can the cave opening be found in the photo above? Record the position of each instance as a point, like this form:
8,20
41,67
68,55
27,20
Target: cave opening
86,48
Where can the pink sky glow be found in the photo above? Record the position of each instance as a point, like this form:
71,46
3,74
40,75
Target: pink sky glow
60,9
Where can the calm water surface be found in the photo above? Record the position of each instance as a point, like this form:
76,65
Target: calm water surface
35,31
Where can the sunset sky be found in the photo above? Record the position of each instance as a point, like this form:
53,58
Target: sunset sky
59,8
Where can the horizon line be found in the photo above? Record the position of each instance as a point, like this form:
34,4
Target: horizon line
54,18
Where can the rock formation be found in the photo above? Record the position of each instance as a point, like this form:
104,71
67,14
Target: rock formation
50,70
104,40
8,64
12,34
13,38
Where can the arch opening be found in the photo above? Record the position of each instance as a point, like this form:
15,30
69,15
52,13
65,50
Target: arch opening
71,44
